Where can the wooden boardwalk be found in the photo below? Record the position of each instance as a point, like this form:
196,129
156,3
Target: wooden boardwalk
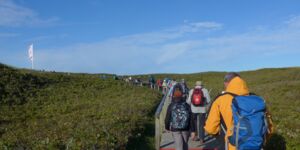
211,143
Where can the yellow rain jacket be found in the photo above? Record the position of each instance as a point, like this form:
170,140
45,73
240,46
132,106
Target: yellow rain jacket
221,107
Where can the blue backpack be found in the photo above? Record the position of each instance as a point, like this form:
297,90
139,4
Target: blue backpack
250,125
180,116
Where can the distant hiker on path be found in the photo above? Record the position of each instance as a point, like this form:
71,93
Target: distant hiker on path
179,119
198,100
159,84
241,114
165,86
185,88
151,81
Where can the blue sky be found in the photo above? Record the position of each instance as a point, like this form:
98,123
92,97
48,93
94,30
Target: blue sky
141,36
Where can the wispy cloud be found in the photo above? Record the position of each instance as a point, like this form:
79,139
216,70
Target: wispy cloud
170,52
14,15
132,53
294,22
199,26
171,33
179,49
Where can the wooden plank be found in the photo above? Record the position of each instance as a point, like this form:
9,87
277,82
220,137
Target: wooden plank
211,143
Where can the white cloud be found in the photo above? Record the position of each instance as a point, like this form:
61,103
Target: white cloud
132,53
171,33
200,26
294,22
170,50
14,15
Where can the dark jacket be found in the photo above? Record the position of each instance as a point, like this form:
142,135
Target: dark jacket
168,118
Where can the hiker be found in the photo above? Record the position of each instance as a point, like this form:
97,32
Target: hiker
226,113
198,100
129,80
184,88
151,81
115,77
171,83
179,119
164,86
159,84
136,81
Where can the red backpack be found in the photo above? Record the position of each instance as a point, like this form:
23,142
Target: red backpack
198,97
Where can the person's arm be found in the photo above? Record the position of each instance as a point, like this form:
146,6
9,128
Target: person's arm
270,123
207,96
190,97
212,124
168,118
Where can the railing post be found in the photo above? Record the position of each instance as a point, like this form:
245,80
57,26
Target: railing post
157,133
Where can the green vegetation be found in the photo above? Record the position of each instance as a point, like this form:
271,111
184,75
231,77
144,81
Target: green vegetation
279,87
42,110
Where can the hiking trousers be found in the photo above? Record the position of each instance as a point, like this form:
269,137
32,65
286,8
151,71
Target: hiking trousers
199,122
181,140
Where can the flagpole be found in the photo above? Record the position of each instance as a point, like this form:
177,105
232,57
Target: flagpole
32,57
32,64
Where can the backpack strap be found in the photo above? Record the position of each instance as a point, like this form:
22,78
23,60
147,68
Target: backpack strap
223,125
232,94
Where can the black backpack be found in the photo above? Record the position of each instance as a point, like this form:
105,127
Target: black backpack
180,116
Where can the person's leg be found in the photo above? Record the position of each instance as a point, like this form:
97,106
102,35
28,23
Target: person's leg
195,121
185,136
201,127
198,125
178,140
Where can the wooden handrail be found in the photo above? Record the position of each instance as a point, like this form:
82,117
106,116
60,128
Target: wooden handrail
159,120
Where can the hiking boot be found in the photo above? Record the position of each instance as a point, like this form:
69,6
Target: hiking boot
201,141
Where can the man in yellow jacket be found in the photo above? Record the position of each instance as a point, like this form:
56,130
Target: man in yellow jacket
221,107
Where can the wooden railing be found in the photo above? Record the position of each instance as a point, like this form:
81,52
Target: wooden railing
160,115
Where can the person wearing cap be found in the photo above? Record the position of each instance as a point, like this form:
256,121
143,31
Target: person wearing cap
199,112
179,119
184,88
221,111
164,86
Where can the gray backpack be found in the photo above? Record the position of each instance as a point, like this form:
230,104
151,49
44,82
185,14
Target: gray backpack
180,116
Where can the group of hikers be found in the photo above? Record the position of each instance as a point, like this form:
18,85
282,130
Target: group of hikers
161,85
240,115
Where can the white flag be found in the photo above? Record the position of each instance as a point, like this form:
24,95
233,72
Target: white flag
30,52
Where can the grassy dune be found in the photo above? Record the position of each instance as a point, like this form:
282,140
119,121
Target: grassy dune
42,110
279,87
78,111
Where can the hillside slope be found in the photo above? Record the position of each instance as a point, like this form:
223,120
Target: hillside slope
41,110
